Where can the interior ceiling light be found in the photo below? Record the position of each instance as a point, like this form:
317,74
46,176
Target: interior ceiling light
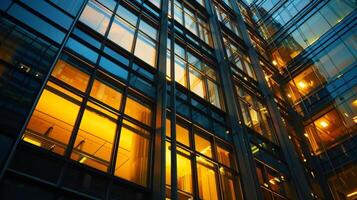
324,124
352,194
302,85
274,62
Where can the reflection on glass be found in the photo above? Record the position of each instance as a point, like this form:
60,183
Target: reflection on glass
145,49
133,154
213,93
196,83
331,128
180,71
70,75
122,33
96,16
51,124
94,141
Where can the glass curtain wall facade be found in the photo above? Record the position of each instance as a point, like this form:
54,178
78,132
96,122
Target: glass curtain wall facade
313,46
177,99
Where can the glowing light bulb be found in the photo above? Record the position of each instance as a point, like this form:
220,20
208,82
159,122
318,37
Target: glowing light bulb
324,124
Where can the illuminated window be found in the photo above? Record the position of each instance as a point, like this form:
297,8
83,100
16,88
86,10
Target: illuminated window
138,111
203,146
224,156
133,154
228,185
72,76
106,94
207,176
51,124
184,172
182,133
94,141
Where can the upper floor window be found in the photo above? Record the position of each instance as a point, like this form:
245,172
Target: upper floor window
123,29
196,74
255,114
192,21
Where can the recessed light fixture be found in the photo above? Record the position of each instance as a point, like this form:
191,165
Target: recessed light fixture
274,62
324,124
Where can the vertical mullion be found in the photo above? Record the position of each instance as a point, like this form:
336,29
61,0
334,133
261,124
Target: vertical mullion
174,195
159,154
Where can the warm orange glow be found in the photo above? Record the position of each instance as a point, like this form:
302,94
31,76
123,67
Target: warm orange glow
324,124
32,141
274,62
352,194
133,154
354,103
302,85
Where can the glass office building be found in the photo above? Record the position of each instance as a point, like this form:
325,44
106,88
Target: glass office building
178,99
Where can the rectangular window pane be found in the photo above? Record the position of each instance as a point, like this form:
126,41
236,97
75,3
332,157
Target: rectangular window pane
207,184
145,49
94,142
122,33
196,83
106,94
180,71
203,146
214,96
71,75
96,17
51,124
138,111
133,154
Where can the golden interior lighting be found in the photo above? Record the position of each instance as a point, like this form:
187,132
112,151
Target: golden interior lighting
274,62
324,124
302,85
352,194
31,141
354,103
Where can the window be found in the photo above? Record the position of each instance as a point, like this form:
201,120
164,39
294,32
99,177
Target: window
195,72
51,124
73,76
96,16
272,182
100,121
239,60
292,46
256,115
106,94
203,146
94,141
146,43
207,176
122,33
132,162
192,21
138,111
209,167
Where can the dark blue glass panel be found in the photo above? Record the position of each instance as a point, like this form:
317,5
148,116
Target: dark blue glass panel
36,23
82,50
50,12
113,68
